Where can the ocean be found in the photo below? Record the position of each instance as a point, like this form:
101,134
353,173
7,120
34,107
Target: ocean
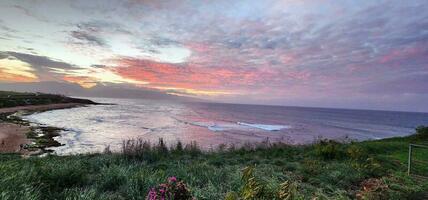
93,128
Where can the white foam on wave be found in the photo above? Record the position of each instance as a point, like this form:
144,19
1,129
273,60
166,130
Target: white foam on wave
266,127
216,126
225,126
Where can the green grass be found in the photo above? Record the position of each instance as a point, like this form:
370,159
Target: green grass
327,170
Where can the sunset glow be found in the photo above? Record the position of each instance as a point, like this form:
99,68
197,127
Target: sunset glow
327,53
16,70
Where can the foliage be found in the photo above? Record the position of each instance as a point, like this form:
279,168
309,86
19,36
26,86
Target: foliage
231,196
373,188
252,189
401,186
356,152
11,99
277,171
422,133
255,188
395,186
328,149
173,189
287,191
144,150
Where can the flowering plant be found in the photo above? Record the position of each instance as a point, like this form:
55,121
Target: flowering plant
172,190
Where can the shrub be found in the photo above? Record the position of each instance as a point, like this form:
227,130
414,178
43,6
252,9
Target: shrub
161,148
311,167
287,190
173,189
193,148
252,188
356,152
178,147
370,167
328,149
422,132
255,188
141,149
136,148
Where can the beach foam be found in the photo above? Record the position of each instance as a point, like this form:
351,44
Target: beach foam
266,127
224,126
216,126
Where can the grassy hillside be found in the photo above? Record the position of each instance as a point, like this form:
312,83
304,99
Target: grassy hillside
326,170
11,99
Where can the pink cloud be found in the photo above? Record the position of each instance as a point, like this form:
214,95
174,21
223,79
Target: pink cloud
200,77
400,54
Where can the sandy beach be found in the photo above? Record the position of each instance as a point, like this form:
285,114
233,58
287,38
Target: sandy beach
13,135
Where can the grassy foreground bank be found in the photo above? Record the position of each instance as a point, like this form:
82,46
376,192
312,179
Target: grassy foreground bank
326,170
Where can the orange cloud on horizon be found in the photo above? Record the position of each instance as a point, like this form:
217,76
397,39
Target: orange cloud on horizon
85,82
16,71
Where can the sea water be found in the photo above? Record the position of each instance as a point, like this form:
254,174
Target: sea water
93,128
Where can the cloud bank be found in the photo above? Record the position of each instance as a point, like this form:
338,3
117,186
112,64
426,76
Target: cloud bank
365,54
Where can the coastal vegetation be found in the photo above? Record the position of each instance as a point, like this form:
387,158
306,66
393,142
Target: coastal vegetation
11,99
324,170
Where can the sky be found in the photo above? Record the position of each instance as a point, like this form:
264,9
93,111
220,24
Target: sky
370,54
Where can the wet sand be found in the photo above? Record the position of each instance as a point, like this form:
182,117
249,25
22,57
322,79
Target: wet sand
12,136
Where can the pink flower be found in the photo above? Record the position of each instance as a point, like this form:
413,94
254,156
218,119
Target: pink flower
172,179
152,194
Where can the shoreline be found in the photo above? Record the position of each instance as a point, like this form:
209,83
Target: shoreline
39,108
17,136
